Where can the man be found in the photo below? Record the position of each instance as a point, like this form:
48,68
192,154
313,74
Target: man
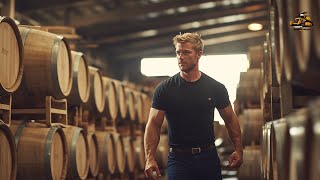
188,100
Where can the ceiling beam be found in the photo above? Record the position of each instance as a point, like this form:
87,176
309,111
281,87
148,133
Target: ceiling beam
30,6
164,40
205,24
211,41
126,14
169,21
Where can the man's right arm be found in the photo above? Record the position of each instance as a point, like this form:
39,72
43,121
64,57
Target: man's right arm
151,141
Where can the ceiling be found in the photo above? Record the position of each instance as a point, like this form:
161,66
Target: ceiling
121,32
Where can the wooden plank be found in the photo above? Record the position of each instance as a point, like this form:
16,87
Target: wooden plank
5,107
8,9
28,111
58,111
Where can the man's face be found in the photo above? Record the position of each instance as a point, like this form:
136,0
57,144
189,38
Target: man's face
187,57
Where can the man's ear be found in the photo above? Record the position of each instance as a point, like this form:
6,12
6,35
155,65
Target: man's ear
199,54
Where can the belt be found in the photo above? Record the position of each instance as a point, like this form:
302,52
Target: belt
193,150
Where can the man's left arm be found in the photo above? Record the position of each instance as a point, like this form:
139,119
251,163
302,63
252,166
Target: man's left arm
234,131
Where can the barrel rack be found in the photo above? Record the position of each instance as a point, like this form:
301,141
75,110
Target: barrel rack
52,107
5,109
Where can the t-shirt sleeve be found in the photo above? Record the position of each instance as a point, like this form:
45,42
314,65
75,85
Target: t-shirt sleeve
222,97
158,101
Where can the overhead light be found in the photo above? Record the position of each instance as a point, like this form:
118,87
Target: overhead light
255,27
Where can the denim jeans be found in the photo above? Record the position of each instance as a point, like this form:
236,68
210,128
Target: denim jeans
202,166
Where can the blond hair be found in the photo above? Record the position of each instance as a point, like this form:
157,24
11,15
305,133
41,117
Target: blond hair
193,38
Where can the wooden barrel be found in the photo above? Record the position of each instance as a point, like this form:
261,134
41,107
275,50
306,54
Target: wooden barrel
250,169
138,101
78,152
315,9
107,152
146,107
80,90
275,44
139,150
119,153
130,100
280,149
8,154
94,160
11,56
44,148
255,56
130,154
299,130
121,99
266,82
162,152
248,81
47,64
314,161
111,104
222,140
304,63
266,162
97,91
251,123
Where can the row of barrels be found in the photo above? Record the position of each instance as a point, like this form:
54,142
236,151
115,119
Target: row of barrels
290,145
36,63
30,150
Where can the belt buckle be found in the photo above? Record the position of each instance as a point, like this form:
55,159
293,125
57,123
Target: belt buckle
196,150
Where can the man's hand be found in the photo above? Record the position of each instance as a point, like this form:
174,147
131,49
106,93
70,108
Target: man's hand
152,166
235,159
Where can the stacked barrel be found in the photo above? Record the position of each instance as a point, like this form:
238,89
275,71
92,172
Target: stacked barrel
96,122
289,103
11,60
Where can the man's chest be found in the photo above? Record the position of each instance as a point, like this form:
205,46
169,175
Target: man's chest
190,98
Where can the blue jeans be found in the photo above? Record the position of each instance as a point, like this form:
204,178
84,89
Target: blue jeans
202,166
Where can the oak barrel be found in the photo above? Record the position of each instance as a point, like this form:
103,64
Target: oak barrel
42,147
106,144
47,64
11,56
266,162
111,104
315,145
249,88
250,169
222,140
280,149
299,124
255,56
78,152
97,96
80,90
162,152
8,154
130,154
130,101
138,101
139,150
251,123
119,153
94,160
146,107
122,102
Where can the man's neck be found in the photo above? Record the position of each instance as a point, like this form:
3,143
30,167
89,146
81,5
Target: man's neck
191,76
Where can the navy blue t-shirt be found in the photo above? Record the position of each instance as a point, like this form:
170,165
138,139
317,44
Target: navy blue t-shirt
189,108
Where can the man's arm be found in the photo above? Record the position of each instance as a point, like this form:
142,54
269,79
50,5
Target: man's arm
151,141
234,131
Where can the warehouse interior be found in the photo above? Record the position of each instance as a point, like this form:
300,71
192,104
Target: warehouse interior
275,95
